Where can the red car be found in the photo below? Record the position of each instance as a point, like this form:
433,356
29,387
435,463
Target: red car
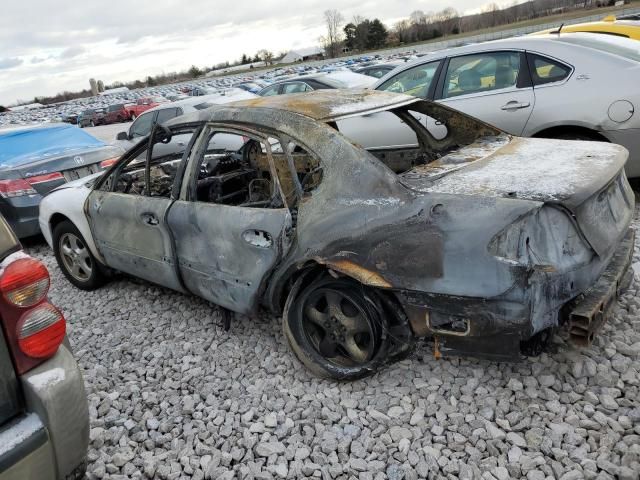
142,105
117,114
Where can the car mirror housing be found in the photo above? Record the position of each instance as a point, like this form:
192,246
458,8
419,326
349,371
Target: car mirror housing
122,136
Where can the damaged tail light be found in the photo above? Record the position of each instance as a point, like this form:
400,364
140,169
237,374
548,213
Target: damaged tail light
16,187
34,329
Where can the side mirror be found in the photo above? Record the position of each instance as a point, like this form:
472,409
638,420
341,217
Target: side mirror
122,136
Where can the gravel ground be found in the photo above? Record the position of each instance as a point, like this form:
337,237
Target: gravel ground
172,395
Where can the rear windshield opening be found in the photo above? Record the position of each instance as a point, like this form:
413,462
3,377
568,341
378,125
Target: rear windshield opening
411,136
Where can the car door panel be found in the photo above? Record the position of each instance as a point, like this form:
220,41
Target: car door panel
507,108
131,233
224,252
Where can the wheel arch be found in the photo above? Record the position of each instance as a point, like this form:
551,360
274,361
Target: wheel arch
562,130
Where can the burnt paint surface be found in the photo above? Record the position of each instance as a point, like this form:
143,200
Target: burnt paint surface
430,247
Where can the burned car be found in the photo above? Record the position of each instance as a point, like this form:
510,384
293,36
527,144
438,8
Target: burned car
485,241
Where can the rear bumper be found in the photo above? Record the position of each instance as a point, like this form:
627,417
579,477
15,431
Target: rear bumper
592,309
494,328
22,214
54,434
630,139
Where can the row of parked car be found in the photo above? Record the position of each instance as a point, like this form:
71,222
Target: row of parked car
365,218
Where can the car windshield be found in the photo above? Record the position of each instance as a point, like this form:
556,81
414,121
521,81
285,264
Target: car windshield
629,49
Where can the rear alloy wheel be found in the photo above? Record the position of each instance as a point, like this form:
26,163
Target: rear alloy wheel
337,329
74,257
92,124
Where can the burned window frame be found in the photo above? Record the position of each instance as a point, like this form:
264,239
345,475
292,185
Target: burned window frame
147,144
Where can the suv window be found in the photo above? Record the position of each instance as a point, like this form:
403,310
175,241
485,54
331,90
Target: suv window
415,81
166,114
544,70
142,126
115,108
481,72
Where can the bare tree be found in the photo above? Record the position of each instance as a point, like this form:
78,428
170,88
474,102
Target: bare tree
401,30
266,56
333,19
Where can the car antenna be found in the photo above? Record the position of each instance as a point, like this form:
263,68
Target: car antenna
559,28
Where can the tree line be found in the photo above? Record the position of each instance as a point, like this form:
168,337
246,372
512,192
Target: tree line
362,34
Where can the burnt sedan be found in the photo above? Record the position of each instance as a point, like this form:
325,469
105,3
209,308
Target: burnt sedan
485,241
36,159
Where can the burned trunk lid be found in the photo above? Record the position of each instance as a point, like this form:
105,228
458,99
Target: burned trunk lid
584,177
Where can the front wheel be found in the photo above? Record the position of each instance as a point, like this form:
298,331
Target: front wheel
133,117
75,258
337,328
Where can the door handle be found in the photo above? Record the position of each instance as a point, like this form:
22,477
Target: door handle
149,219
513,105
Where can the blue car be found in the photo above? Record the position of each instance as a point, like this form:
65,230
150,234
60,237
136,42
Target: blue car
36,159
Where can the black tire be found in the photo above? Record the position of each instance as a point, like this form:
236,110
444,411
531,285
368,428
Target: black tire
92,124
75,259
133,117
336,328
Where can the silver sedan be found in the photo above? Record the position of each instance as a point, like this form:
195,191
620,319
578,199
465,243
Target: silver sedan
568,85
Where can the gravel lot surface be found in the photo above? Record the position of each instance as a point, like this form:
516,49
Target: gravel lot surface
172,395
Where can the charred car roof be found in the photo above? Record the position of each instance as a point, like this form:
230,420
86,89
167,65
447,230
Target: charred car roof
319,105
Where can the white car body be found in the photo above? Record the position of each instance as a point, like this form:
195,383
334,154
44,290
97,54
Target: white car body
599,97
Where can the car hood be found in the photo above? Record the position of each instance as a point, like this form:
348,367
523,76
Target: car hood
560,171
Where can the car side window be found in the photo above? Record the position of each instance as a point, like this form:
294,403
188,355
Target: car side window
269,91
296,87
545,70
142,126
299,172
166,155
230,173
481,72
415,81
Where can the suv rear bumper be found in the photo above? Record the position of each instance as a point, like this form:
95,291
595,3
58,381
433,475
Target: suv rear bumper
54,434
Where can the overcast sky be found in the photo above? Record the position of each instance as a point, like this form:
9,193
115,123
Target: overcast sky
49,46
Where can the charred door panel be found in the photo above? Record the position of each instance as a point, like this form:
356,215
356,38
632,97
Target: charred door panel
131,234
224,252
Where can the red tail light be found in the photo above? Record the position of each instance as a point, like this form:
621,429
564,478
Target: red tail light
48,177
34,329
107,163
15,188
25,282
41,331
